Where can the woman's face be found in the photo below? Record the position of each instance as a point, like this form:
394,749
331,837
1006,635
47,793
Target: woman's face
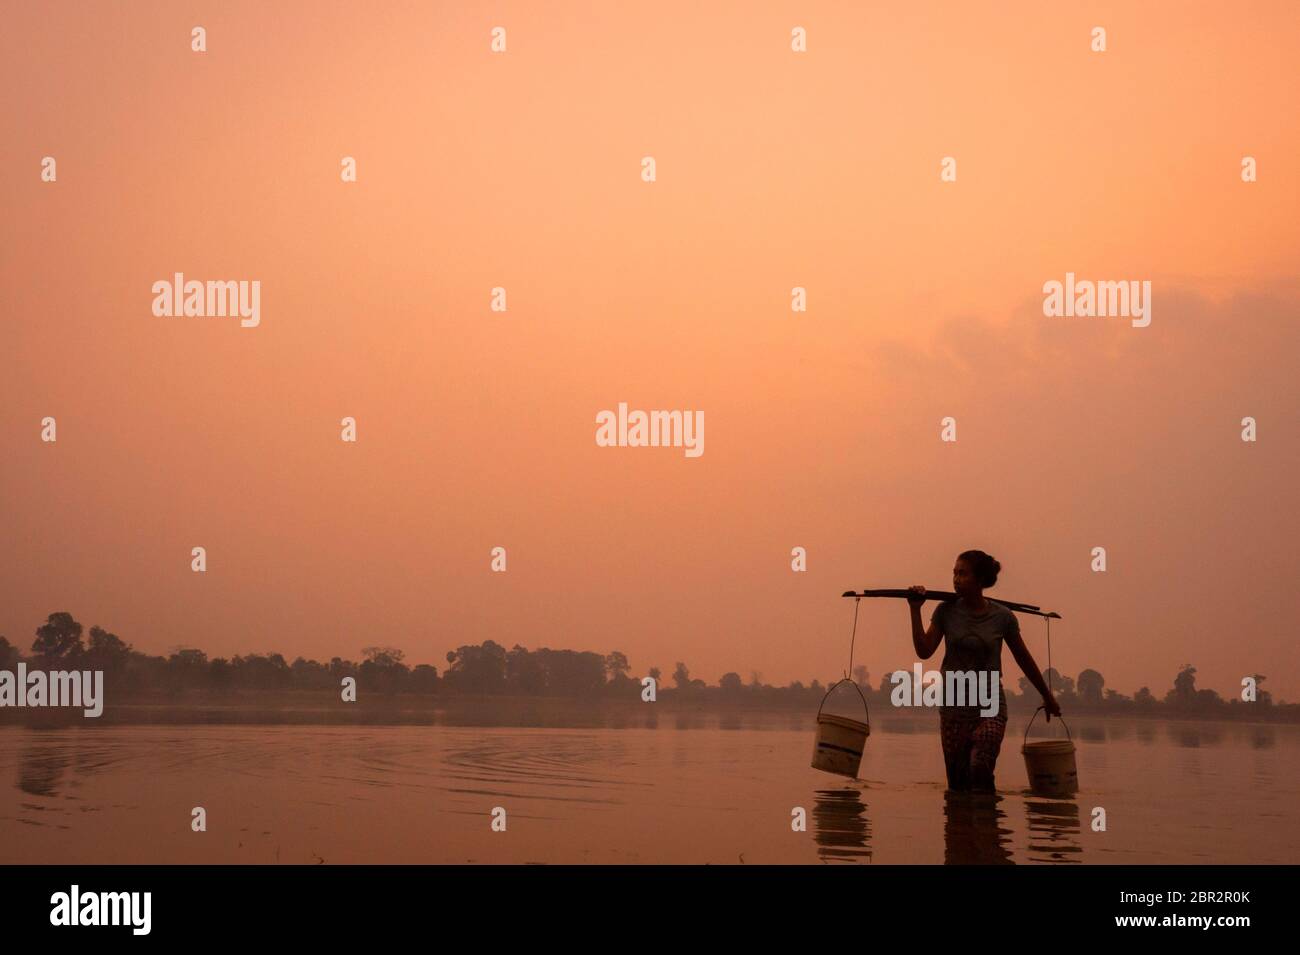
963,579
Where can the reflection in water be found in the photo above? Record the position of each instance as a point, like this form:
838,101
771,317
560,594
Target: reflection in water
906,727
41,769
1091,732
1054,829
840,826
569,769
1195,735
421,794
972,834
688,720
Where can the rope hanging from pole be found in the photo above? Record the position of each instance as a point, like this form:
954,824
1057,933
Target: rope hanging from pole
1049,654
853,637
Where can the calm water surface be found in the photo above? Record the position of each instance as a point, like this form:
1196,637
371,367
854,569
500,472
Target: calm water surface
689,788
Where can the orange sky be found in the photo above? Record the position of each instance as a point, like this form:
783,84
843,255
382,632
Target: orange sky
775,169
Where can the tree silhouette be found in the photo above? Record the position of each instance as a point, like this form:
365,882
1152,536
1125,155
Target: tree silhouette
58,639
480,669
1262,696
383,656
1184,691
616,664
260,672
424,678
306,674
383,669
187,668
1062,686
1208,699
572,672
106,651
340,668
569,674
524,671
1090,686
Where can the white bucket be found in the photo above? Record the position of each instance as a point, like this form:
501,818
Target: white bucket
1049,764
840,739
839,744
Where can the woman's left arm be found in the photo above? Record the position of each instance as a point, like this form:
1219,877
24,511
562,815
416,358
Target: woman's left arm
1026,661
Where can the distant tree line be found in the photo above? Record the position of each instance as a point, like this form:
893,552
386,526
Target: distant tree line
489,668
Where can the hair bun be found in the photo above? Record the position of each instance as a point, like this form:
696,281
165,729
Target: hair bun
985,567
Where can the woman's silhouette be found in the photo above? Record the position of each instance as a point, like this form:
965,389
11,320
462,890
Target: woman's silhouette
974,630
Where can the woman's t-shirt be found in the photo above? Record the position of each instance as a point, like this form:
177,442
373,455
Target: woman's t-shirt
973,642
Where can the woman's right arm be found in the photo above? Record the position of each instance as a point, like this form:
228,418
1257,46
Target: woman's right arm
925,641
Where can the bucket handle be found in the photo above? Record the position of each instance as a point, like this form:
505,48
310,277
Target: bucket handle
832,690
1035,716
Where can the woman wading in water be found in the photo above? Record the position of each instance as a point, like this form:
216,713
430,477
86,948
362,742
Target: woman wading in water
974,630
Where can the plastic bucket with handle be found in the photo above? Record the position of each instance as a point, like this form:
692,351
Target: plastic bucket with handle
840,740
1049,763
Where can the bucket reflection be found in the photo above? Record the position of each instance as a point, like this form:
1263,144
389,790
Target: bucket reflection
1054,829
841,828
